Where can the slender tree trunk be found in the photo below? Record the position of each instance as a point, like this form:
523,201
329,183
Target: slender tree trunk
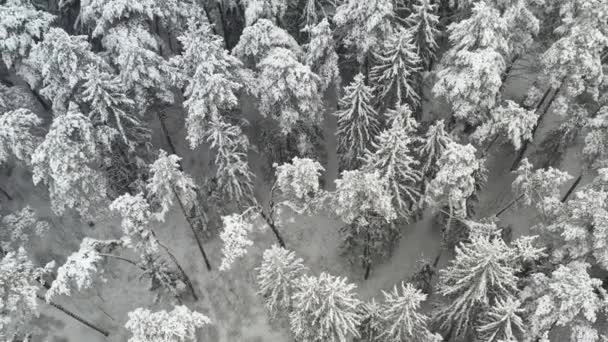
118,257
220,8
6,194
571,190
523,150
501,211
165,130
273,226
163,126
208,15
74,316
367,257
196,237
181,270
489,146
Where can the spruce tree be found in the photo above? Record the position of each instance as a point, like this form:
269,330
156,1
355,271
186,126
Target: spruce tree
325,309
321,55
392,158
357,123
431,147
482,273
395,68
401,317
423,22
278,277
288,91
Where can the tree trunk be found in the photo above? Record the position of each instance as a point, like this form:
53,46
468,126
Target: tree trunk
196,237
273,226
220,8
74,316
571,190
366,256
522,152
163,126
501,211
6,194
181,270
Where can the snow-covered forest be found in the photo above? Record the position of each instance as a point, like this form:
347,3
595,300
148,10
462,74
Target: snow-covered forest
303,170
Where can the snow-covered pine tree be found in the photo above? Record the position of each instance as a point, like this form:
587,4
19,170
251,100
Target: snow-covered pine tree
57,66
19,282
134,51
22,25
313,10
17,138
579,228
130,31
19,227
569,296
258,39
177,325
169,182
67,161
80,269
136,222
392,158
511,121
471,73
455,181
321,55
233,175
371,319
395,68
277,278
423,22
541,187
138,234
105,95
288,90
273,10
363,201
482,272
401,317
364,25
235,238
361,196
431,147
575,59
211,78
298,182
325,309
502,321
357,123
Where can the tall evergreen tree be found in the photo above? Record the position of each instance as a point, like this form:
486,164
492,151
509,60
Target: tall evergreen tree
482,273
357,123
393,159
325,309
364,25
431,147
401,317
278,277
395,69
321,55
67,162
424,22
